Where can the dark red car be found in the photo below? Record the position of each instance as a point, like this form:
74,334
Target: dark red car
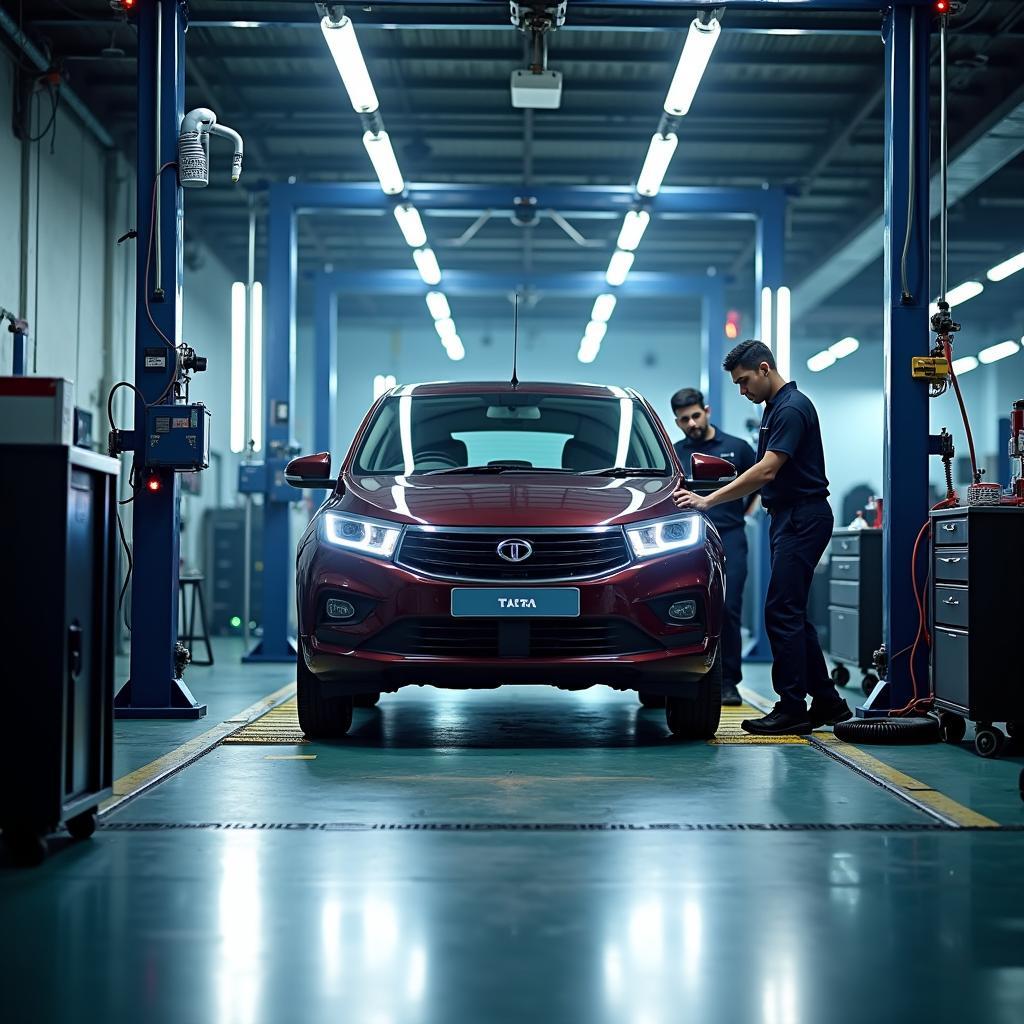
489,533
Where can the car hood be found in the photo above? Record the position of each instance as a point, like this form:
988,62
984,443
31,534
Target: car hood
520,500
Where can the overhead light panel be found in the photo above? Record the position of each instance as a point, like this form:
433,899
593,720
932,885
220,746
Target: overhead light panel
821,361
382,156
588,351
1003,270
994,353
964,365
844,347
618,267
341,41
766,316
659,156
595,332
454,347
445,328
697,50
237,367
633,227
426,264
782,330
437,303
411,226
256,366
604,305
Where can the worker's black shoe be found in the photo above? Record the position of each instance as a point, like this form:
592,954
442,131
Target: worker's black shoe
730,696
779,722
829,712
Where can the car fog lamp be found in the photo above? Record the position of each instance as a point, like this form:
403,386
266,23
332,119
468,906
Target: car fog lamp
683,610
338,609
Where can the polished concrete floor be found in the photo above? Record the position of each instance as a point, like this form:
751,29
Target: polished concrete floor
517,853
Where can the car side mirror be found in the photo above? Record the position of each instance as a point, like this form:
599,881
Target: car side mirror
710,473
311,471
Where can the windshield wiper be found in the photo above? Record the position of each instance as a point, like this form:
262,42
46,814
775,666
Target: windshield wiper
623,471
496,467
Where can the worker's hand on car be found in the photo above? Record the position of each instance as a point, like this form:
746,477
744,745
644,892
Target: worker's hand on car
687,499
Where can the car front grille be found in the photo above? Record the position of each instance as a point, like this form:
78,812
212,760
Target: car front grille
473,554
511,638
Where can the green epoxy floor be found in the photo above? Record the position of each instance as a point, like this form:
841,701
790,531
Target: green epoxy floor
273,926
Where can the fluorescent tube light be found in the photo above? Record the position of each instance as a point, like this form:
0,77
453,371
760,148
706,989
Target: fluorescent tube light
238,367
426,264
604,306
962,292
382,382
588,351
994,353
766,316
411,226
437,303
659,156
454,347
1003,270
844,347
697,50
256,365
445,328
382,156
618,267
341,41
964,365
782,331
596,331
633,227
821,361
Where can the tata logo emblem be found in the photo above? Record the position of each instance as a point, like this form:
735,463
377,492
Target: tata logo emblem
515,550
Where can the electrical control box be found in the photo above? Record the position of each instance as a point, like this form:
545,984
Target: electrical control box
178,436
933,368
536,90
37,410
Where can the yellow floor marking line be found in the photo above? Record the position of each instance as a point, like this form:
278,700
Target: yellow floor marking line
280,725
130,785
920,794
730,731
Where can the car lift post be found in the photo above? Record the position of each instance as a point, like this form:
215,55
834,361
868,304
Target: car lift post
154,688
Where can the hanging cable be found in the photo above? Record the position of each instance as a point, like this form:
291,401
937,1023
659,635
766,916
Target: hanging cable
906,295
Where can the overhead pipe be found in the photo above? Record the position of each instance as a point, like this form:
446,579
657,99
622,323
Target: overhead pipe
67,94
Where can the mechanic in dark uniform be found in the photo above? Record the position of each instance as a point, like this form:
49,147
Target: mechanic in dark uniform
693,418
790,474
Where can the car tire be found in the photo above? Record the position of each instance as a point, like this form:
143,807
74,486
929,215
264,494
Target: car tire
320,717
651,700
365,700
697,718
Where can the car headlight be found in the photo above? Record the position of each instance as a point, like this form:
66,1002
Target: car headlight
665,535
365,536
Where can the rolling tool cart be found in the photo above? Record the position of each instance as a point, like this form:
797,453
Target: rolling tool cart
855,604
57,626
977,607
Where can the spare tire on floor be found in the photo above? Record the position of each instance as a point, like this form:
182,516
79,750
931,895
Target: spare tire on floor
889,730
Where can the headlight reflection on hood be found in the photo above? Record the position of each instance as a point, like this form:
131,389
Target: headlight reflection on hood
665,535
366,536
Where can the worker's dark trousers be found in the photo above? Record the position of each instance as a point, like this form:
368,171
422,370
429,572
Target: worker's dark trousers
799,535
735,543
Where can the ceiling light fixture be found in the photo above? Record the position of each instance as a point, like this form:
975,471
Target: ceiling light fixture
618,267
411,226
437,303
633,227
821,361
1003,270
697,50
782,330
454,347
964,365
844,347
445,328
604,305
426,264
348,58
659,156
595,332
382,156
994,353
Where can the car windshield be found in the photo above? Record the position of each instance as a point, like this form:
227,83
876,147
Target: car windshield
499,433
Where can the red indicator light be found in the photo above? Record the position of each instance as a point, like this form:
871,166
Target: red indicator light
941,6
732,325
153,484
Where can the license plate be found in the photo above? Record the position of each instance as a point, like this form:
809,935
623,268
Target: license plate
516,602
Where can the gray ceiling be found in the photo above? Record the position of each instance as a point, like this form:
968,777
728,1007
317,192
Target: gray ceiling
800,111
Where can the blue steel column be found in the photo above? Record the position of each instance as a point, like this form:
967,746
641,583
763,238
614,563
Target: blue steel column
905,468
152,690
712,337
325,396
769,270
279,374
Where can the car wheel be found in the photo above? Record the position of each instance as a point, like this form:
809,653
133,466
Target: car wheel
365,700
651,700
320,717
697,718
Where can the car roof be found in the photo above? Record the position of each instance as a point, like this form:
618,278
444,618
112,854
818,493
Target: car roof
494,387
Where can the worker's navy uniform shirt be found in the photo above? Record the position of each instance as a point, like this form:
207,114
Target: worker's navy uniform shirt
727,516
790,427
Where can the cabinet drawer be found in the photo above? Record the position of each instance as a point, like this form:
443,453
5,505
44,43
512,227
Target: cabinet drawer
950,531
950,666
951,564
951,606
846,545
844,594
845,568
844,634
